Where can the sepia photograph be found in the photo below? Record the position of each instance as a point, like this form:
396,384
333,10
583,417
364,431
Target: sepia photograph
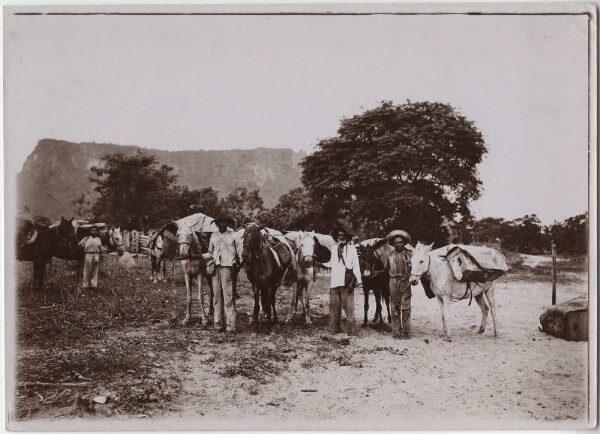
300,217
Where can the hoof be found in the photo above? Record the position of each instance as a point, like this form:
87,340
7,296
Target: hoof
496,335
480,331
308,321
185,321
447,338
288,319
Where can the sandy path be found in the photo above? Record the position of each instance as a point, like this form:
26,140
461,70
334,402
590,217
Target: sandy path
522,377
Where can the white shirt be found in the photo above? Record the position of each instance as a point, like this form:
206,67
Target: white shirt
338,268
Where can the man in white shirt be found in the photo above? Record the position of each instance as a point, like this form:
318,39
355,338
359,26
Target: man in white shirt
225,248
345,276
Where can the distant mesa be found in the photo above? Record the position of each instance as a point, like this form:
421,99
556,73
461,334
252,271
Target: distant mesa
57,172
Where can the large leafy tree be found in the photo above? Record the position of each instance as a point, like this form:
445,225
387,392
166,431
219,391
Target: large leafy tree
134,191
295,210
185,201
410,166
243,205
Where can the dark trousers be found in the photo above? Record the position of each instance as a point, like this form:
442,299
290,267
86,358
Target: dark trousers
400,296
341,297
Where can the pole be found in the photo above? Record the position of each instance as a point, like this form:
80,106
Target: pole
553,273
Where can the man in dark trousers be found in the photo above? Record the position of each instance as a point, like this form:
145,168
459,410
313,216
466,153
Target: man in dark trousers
397,266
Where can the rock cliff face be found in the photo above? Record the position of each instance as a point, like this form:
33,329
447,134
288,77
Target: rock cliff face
57,172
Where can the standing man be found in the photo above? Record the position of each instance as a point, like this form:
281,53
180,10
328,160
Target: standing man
92,247
345,276
224,247
398,267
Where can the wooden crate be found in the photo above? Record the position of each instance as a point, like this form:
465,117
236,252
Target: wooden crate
463,267
576,326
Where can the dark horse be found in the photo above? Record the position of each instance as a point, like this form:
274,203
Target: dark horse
265,265
41,245
372,255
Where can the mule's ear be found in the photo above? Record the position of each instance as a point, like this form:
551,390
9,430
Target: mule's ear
428,249
261,227
71,221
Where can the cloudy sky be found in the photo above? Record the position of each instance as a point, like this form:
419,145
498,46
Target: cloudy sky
206,82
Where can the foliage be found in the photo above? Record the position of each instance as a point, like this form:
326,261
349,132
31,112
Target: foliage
83,207
527,235
294,211
571,236
185,201
404,166
242,205
134,190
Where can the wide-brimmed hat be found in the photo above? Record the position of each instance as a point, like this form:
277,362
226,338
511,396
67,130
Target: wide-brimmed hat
398,233
226,219
339,228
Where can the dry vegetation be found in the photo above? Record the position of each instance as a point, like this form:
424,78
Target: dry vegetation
125,343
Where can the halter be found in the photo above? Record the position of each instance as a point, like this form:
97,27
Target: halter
111,239
418,276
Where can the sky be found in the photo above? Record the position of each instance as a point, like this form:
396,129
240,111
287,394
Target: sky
224,82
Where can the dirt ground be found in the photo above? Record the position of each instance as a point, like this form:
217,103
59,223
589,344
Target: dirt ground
125,346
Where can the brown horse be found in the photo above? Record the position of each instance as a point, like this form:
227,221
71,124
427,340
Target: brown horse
265,269
41,245
372,254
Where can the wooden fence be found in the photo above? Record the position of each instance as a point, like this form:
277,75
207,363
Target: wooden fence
136,242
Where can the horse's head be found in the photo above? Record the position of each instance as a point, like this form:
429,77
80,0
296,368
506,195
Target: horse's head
66,230
419,262
115,240
307,248
185,238
252,240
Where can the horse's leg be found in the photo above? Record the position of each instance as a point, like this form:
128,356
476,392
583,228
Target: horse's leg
153,266
366,290
444,305
201,299
307,289
256,310
161,269
39,267
489,295
273,300
265,299
386,297
484,311
295,289
378,314
188,309
211,296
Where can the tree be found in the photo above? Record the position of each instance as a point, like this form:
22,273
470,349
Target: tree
83,207
410,166
242,205
185,201
526,235
134,190
295,210
571,236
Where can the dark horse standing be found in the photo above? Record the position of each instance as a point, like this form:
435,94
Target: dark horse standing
41,246
265,266
372,254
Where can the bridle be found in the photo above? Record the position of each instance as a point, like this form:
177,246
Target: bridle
112,241
418,276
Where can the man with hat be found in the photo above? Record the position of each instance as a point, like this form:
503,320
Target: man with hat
92,247
345,276
226,250
397,266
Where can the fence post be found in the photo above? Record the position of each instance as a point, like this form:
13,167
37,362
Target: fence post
135,241
553,273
